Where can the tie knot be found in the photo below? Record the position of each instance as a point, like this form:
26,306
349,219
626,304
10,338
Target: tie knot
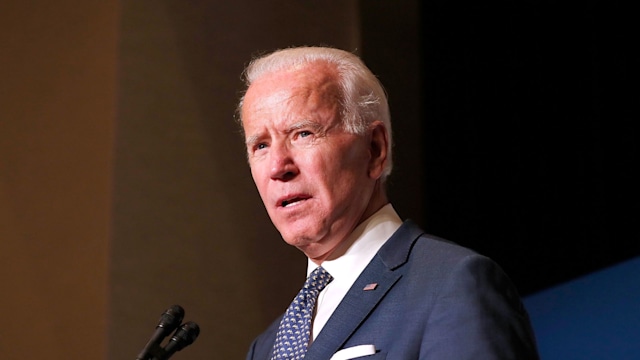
318,279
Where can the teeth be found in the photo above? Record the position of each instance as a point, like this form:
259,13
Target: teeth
286,203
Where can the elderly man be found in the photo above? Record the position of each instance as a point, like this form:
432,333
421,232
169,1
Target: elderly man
318,138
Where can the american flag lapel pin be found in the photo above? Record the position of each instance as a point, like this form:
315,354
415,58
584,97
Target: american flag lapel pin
370,287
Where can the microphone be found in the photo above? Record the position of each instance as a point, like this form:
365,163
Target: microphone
183,337
169,320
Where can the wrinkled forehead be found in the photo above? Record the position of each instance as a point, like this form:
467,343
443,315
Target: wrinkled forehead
314,85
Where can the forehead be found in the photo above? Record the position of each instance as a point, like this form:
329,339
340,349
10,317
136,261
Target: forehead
309,88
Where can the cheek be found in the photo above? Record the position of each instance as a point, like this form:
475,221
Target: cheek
258,179
344,175
351,162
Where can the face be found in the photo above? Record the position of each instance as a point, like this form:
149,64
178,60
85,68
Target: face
316,180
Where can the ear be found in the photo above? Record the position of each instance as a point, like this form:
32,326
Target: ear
378,145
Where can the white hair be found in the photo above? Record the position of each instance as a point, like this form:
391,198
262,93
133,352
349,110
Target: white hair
362,99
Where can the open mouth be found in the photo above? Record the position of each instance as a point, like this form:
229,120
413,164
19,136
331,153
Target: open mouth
292,201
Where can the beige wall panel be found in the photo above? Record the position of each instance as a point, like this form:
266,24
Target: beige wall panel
57,107
189,227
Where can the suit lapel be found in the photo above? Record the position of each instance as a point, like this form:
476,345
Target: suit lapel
353,310
381,274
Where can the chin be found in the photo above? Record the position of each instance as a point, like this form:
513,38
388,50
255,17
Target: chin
297,241
300,233
303,242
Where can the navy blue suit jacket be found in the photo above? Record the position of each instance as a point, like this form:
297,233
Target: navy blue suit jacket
433,300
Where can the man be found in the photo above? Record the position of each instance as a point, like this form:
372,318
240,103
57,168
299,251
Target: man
318,137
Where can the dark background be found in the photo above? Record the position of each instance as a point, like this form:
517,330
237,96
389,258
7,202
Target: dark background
526,129
124,186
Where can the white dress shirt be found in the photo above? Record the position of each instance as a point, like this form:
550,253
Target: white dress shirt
369,237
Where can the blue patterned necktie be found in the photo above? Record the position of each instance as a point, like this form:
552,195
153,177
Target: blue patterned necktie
292,338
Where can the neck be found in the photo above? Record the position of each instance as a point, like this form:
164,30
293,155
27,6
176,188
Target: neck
377,202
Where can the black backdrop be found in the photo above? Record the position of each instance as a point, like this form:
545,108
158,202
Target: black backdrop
524,113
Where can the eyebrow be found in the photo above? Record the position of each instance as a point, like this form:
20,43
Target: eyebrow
306,123
251,140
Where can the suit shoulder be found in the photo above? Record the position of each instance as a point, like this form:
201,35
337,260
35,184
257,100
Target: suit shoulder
410,241
426,252
436,245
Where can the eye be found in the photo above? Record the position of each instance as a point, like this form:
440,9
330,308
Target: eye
253,148
260,146
305,133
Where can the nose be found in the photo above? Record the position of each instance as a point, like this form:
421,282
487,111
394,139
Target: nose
283,166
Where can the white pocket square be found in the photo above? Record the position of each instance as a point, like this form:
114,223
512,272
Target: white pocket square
354,352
